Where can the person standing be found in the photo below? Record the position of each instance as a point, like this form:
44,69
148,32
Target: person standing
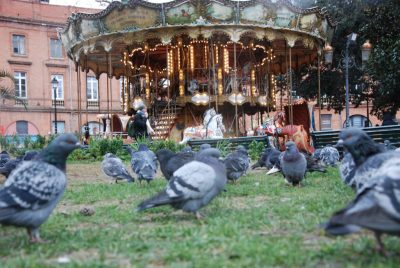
141,123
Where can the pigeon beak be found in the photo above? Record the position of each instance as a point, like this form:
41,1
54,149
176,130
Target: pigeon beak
339,144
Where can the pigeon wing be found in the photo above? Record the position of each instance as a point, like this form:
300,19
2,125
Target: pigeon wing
32,185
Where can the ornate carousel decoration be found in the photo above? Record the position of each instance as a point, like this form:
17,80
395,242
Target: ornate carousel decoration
187,56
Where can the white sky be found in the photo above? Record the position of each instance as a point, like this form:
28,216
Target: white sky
89,3
92,3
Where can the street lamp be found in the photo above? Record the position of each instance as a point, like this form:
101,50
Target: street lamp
365,53
54,83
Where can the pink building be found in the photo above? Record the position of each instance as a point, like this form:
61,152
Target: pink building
31,51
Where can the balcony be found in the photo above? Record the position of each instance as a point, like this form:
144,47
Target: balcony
59,103
21,102
92,104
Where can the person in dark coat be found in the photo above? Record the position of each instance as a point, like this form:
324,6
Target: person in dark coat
388,119
141,126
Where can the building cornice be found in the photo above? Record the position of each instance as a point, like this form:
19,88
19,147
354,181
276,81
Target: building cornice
32,22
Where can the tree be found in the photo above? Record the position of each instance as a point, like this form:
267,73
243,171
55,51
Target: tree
383,67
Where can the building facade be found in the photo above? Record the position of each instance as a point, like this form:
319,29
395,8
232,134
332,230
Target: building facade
31,50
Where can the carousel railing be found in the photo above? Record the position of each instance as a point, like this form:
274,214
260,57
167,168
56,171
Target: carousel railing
232,143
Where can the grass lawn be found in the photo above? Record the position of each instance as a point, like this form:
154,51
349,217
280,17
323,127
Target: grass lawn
259,222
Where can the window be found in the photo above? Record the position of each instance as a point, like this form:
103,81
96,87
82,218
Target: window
22,127
20,84
55,48
60,87
92,88
60,127
358,121
95,128
326,121
18,43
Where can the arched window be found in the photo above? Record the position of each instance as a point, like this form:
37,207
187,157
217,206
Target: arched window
358,120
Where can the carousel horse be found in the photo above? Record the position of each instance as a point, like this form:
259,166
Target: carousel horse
297,133
212,128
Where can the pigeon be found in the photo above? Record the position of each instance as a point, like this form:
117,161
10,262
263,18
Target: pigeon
193,185
187,149
170,162
144,163
293,163
114,167
388,145
312,164
237,163
4,157
329,156
269,158
29,155
204,146
34,188
368,155
316,154
347,169
376,207
9,166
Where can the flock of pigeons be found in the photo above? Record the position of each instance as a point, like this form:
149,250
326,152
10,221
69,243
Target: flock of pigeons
36,182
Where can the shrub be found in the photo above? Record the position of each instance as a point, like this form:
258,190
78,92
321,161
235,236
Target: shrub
224,147
255,149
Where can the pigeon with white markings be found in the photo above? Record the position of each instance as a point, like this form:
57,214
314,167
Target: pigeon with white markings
376,207
113,167
237,163
329,156
170,161
367,155
4,157
347,169
204,146
269,158
34,188
193,185
293,163
389,146
144,163
9,166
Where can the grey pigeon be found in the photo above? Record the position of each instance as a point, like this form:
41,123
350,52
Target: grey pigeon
204,146
170,161
193,185
368,155
294,164
376,207
4,157
347,169
316,154
9,166
388,145
34,188
29,155
269,158
187,149
329,156
143,163
113,167
237,163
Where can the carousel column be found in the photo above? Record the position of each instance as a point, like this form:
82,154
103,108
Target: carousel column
108,103
235,89
109,80
290,86
87,107
79,99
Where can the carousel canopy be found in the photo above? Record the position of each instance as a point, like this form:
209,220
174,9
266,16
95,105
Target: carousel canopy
130,34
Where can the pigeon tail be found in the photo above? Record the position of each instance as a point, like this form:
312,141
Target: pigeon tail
160,199
127,177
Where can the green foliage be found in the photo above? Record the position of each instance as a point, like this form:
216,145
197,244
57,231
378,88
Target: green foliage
17,145
224,147
255,149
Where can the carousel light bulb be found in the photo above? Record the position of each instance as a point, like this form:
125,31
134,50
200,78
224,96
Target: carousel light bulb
216,54
220,87
147,86
191,52
181,83
226,60
253,82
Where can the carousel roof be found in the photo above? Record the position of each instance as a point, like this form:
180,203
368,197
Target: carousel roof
98,41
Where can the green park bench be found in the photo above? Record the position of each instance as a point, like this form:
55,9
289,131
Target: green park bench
232,143
378,134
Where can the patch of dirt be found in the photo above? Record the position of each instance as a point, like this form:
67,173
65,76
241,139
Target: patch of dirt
243,202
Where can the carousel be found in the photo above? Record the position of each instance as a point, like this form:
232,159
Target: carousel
210,68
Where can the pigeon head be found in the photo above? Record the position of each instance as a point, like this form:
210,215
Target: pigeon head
358,144
29,155
187,149
109,155
57,151
204,146
291,147
163,155
386,143
143,147
210,152
241,149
